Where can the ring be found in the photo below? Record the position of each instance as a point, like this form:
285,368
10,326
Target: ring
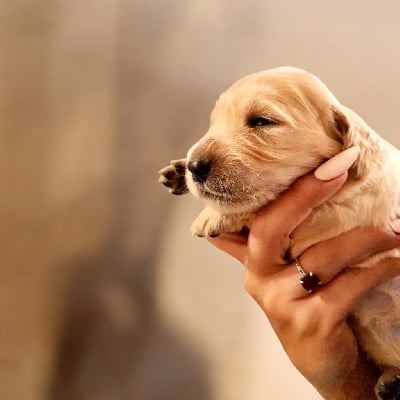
308,280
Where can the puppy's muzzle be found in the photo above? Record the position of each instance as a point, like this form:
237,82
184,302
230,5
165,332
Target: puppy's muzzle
199,169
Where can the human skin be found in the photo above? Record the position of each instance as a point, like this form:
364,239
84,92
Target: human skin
313,327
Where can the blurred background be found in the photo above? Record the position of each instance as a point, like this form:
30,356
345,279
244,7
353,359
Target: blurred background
104,294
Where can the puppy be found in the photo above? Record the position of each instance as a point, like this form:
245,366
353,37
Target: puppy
267,130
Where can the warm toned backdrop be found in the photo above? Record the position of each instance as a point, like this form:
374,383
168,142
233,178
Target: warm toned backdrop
103,293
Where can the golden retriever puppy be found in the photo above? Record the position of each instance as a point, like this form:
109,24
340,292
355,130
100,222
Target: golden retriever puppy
266,131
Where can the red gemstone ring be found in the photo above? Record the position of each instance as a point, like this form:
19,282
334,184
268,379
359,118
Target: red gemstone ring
308,280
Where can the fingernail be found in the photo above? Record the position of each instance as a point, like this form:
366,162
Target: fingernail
337,165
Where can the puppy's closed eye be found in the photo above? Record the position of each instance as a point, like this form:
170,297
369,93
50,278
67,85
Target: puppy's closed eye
256,121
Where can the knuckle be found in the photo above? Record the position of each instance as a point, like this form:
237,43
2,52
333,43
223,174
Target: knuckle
254,285
264,293
248,283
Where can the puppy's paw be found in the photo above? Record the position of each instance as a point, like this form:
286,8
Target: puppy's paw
388,386
208,224
211,223
173,177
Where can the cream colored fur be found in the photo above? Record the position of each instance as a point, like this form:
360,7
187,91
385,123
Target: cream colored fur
251,166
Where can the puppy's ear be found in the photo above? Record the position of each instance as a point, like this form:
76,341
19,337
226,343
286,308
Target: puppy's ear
341,123
341,127
349,129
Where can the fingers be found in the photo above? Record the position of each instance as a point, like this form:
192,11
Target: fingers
269,232
327,307
353,284
328,258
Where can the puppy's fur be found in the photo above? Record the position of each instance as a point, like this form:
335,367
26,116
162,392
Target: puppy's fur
266,131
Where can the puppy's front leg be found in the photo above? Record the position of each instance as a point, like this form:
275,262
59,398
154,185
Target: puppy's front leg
211,223
173,177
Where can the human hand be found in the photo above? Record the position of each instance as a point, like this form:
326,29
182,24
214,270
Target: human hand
313,327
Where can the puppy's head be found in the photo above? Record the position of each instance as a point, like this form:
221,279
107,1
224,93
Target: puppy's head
266,130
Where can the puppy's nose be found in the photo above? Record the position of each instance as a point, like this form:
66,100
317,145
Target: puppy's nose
199,170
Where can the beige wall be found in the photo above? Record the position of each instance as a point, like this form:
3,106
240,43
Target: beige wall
103,293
